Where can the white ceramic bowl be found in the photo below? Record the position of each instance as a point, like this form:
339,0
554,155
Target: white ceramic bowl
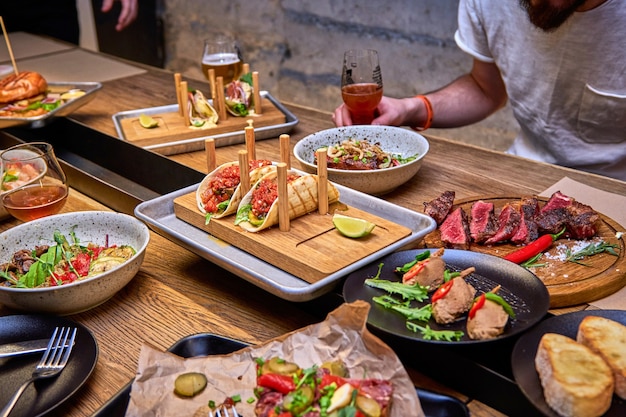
91,226
377,182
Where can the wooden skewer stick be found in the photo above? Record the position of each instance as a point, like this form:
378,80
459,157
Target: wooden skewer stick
322,182
177,80
256,91
244,171
221,101
212,85
283,198
209,151
245,68
285,154
184,97
250,145
8,42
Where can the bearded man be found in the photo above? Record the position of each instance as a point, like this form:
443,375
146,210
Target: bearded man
560,63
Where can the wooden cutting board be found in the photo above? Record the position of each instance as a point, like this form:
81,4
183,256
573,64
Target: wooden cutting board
568,283
172,126
311,250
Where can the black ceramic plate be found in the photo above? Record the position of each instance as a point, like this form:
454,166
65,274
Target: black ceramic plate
204,344
520,288
523,357
44,395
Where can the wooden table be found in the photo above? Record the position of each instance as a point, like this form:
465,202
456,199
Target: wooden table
177,293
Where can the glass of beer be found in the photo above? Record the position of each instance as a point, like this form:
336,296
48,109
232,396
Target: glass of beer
33,184
361,84
222,54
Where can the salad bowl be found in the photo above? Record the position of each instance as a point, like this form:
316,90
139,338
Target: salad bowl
101,228
396,141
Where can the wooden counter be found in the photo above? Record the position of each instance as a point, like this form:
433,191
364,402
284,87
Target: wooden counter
177,293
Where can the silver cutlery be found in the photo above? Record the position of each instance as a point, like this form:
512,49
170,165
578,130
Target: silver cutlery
26,347
223,412
51,364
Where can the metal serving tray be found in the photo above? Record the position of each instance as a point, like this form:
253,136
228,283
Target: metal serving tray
90,89
197,144
159,215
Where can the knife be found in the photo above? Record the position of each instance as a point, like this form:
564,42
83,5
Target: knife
23,348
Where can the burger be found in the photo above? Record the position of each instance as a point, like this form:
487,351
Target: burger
23,85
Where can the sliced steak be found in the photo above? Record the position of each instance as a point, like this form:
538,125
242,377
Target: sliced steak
508,222
483,221
582,222
440,207
528,229
557,200
455,230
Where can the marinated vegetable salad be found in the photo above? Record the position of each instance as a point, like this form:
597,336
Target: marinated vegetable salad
63,263
353,154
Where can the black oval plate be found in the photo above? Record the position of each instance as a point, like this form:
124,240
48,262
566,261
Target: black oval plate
45,395
522,289
523,356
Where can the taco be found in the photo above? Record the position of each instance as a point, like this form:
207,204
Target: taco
258,209
219,192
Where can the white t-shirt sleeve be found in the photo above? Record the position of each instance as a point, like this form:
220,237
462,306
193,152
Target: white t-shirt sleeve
471,36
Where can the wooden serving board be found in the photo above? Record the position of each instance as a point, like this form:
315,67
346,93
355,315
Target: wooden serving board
568,283
311,250
172,126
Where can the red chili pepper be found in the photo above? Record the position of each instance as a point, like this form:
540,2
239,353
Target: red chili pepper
328,379
478,304
415,269
281,383
442,291
534,248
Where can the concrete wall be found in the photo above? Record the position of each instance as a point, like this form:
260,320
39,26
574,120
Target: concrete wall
297,47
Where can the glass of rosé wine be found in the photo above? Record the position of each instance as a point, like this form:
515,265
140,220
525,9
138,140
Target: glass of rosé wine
361,84
33,184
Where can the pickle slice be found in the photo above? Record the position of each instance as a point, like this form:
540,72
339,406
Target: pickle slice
190,384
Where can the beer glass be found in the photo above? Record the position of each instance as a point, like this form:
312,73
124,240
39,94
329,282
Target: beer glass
361,84
33,183
222,54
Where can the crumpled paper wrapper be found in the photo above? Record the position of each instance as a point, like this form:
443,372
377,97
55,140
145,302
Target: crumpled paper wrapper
343,335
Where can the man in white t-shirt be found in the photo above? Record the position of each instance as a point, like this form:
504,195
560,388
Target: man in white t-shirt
562,66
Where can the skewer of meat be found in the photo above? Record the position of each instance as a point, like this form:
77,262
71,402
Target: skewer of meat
428,272
453,299
488,316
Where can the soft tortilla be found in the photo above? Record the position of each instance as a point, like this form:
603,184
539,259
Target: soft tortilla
302,195
238,194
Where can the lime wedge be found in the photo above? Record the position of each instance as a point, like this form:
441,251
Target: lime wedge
147,121
352,226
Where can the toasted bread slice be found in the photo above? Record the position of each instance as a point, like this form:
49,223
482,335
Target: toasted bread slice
607,338
576,382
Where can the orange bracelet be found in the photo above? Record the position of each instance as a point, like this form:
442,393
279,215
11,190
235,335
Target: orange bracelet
429,113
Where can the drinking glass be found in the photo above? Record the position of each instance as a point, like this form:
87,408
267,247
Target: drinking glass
361,84
222,54
33,183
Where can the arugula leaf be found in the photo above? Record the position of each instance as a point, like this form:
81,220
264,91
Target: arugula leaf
41,268
430,334
423,313
408,292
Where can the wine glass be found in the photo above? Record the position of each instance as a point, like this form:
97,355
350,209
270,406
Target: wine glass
33,184
361,84
222,54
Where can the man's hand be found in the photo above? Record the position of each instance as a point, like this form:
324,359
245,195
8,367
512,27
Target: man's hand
128,14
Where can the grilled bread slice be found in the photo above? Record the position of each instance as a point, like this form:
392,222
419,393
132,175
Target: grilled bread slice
576,382
607,338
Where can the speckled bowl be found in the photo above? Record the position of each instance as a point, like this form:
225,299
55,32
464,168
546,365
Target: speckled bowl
90,226
377,182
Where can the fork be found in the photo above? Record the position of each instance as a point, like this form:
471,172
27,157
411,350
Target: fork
51,364
223,412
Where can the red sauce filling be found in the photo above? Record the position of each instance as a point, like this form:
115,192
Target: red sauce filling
222,186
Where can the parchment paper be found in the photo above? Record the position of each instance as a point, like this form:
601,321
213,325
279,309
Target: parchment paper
343,335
